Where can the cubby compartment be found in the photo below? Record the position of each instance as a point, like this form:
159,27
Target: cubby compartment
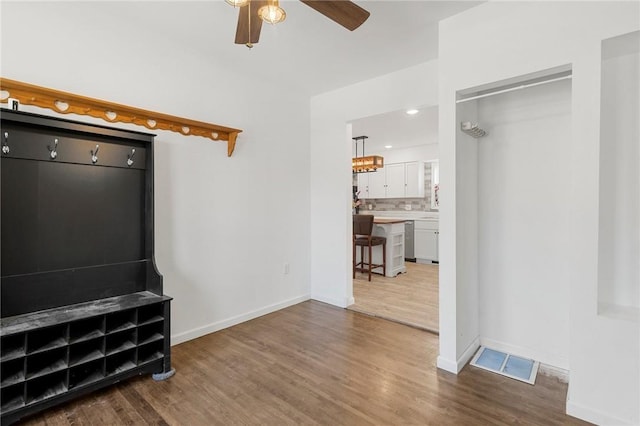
150,333
86,329
12,372
46,387
86,373
45,363
12,397
119,342
150,314
86,351
47,338
121,362
119,321
150,352
12,347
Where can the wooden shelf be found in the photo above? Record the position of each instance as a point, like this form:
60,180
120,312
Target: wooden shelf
70,103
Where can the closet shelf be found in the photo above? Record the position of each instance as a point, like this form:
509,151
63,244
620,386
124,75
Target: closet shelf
70,103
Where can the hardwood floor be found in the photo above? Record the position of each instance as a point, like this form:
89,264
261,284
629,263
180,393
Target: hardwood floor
315,364
410,298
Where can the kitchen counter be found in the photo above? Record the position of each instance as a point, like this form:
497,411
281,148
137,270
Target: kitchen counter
385,220
402,215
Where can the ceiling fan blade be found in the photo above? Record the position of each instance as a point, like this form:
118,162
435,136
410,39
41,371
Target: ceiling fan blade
242,30
344,12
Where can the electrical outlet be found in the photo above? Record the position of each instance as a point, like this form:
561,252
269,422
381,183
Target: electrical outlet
285,269
407,206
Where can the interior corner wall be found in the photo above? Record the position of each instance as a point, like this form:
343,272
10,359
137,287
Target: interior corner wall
214,215
467,199
504,40
331,270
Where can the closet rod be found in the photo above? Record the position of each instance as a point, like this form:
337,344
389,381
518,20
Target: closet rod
511,89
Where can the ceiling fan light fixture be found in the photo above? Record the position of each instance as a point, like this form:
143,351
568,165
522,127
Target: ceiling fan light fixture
272,12
237,3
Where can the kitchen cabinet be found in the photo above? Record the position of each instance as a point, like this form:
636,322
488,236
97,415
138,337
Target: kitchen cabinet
426,241
363,185
396,180
377,183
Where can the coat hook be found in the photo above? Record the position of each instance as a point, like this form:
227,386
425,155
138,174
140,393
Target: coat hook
5,146
94,155
130,157
53,152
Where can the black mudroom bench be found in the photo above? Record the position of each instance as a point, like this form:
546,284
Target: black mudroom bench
80,296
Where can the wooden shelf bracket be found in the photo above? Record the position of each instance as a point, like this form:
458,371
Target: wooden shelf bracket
69,103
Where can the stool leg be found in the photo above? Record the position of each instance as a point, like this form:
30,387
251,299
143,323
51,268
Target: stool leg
354,259
370,261
384,260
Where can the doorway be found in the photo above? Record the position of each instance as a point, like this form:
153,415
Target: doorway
401,190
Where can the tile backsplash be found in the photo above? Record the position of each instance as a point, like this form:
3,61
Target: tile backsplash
399,204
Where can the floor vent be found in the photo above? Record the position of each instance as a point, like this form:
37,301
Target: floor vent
512,366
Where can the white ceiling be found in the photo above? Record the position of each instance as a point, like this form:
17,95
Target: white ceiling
308,52
398,129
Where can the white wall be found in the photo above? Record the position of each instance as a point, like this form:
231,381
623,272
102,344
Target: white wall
331,146
466,170
523,222
224,226
507,39
619,243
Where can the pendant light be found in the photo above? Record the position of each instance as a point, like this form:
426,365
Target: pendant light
272,13
366,164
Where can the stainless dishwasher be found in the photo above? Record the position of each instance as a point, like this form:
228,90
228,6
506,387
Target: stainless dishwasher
409,246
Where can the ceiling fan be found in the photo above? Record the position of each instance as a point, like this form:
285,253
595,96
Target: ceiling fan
253,12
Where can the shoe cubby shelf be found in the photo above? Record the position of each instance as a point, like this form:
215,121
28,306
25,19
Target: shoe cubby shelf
49,353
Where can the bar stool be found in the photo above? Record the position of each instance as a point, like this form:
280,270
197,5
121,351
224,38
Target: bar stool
362,230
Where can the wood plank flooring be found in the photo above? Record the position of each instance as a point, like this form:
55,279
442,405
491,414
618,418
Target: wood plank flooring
315,364
410,298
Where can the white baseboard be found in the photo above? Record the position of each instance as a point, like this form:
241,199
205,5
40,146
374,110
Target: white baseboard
553,371
226,323
331,301
468,353
594,416
456,366
447,365
351,301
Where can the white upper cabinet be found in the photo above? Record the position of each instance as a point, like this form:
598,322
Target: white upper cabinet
397,180
414,179
363,185
377,183
395,175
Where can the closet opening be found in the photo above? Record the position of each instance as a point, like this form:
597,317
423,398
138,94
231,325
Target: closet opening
513,177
